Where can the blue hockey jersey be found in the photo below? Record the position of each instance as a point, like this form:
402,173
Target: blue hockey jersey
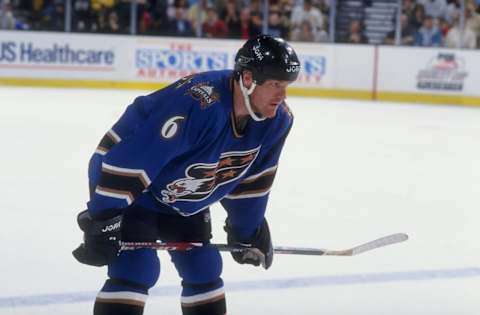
179,150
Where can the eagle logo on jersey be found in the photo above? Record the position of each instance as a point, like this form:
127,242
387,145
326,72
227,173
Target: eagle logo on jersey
206,94
202,179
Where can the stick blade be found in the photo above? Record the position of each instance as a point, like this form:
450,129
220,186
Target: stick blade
379,242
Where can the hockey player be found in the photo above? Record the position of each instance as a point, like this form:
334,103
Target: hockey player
213,136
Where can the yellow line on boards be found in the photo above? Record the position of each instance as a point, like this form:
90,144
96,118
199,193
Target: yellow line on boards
293,91
429,98
333,93
82,84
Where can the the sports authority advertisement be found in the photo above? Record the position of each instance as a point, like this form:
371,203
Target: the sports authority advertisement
168,59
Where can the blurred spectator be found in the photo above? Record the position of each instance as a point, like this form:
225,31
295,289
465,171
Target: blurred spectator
197,14
172,4
112,25
323,6
356,35
307,12
102,4
35,16
306,33
407,33
82,16
100,23
37,4
213,27
54,16
230,14
145,22
144,16
7,19
99,12
219,5
452,8
285,9
408,8
472,19
245,28
275,26
443,26
256,8
418,16
256,19
159,17
458,37
179,25
428,35
435,8
122,12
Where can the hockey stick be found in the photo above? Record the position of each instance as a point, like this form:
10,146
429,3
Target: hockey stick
172,246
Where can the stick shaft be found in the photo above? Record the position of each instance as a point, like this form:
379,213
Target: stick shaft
184,246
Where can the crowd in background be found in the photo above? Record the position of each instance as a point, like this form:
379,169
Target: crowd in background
423,22
437,23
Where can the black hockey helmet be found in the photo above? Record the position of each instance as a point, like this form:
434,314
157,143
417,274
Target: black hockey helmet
267,57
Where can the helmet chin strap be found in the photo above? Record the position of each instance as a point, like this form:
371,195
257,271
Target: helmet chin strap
246,97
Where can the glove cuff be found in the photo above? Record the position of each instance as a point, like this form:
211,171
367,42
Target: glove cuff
243,236
98,227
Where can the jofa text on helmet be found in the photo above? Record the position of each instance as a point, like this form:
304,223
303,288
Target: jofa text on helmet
293,69
256,50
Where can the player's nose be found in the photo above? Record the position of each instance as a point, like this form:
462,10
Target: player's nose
282,94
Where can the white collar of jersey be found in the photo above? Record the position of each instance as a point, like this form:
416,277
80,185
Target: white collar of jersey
246,93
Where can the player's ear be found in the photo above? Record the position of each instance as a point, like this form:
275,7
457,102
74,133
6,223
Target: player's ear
247,78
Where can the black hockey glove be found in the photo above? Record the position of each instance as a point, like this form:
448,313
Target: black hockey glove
101,240
258,250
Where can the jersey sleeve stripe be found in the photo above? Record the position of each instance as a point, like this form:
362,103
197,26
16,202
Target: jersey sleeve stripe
127,172
254,186
246,195
268,171
112,193
116,138
122,183
108,141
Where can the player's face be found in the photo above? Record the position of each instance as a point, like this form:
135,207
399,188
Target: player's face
267,97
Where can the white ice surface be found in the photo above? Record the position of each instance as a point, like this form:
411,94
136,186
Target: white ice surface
350,172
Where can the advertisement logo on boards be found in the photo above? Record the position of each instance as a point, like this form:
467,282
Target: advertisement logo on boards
313,69
179,60
13,53
445,72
